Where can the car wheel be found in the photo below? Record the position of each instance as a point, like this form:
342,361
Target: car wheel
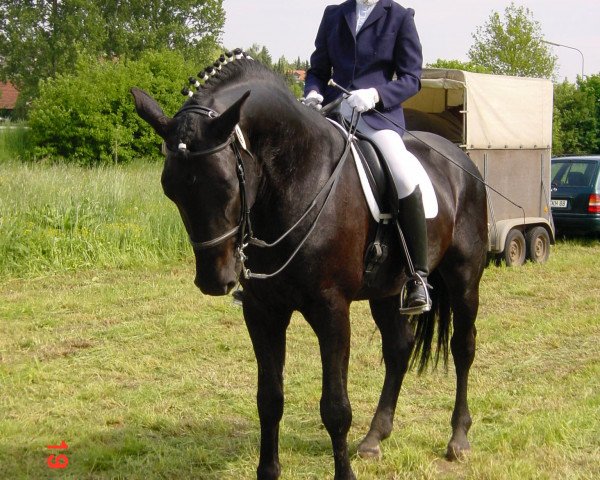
538,245
514,249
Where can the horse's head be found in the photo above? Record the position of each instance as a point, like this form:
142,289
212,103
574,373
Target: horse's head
200,177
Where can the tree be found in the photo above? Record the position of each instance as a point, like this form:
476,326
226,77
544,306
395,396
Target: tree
577,116
135,26
282,67
42,38
261,54
39,39
513,45
458,65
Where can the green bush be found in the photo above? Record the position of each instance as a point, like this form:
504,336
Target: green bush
88,117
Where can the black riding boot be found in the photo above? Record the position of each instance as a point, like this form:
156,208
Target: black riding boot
411,216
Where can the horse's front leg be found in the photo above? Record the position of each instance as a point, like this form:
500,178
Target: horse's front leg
398,340
330,321
267,332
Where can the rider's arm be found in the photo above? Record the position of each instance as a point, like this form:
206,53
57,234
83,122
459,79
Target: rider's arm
319,72
408,63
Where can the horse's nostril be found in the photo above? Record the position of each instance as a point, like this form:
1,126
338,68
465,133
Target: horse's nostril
231,286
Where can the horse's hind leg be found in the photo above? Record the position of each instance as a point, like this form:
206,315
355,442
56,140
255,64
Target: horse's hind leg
462,346
397,343
267,332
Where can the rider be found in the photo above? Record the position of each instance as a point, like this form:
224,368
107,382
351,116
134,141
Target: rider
371,47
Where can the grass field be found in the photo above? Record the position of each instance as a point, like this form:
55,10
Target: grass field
106,344
64,218
13,141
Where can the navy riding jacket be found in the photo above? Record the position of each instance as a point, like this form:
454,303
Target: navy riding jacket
385,54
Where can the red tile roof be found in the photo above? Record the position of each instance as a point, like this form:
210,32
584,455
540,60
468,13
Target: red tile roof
299,74
8,96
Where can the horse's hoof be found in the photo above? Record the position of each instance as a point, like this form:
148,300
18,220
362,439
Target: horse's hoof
457,451
268,472
369,452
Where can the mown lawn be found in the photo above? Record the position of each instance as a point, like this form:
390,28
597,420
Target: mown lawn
143,377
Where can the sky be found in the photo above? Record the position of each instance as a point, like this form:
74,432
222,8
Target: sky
288,27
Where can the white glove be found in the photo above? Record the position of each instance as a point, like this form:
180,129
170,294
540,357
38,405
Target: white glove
363,100
313,100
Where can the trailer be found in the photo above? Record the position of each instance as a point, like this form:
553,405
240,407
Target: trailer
505,125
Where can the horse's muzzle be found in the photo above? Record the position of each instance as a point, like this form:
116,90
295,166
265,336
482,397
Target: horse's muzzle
214,289
217,271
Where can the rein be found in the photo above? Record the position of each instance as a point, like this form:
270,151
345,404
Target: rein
328,187
243,229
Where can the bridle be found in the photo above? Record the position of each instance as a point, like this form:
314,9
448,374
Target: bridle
243,229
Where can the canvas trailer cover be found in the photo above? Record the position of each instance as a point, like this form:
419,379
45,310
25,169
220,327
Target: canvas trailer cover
505,125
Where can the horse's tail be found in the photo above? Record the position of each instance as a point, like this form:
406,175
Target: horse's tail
425,323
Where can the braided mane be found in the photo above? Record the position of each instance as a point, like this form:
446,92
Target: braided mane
231,67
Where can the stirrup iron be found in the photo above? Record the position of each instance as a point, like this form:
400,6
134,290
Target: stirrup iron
420,308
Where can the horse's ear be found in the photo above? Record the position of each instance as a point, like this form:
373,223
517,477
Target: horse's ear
226,122
150,111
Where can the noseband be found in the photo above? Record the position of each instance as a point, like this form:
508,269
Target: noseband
235,140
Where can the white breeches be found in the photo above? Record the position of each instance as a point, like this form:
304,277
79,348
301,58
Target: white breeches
407,171
403,164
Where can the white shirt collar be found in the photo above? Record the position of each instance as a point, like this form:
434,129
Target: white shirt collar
363,10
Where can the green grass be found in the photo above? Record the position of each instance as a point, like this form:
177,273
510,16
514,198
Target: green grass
14,141
145,378
62,217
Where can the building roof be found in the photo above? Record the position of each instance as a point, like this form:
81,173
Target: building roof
8,96
299,74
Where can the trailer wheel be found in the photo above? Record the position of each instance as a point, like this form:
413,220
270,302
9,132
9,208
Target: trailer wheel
514,249
538,245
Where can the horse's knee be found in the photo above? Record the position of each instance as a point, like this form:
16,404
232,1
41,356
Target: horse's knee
270,404
336,414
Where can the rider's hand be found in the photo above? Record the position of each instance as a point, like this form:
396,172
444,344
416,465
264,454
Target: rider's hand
313,100
364,99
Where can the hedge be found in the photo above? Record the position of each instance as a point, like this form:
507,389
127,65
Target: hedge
88,117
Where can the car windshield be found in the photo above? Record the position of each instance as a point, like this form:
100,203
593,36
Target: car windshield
573,173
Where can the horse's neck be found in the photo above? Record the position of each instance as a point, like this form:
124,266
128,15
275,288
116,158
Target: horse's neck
290,147
296,150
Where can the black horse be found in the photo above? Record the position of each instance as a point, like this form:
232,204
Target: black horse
277,175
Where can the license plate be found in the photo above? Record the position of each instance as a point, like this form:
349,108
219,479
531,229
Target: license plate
558,203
